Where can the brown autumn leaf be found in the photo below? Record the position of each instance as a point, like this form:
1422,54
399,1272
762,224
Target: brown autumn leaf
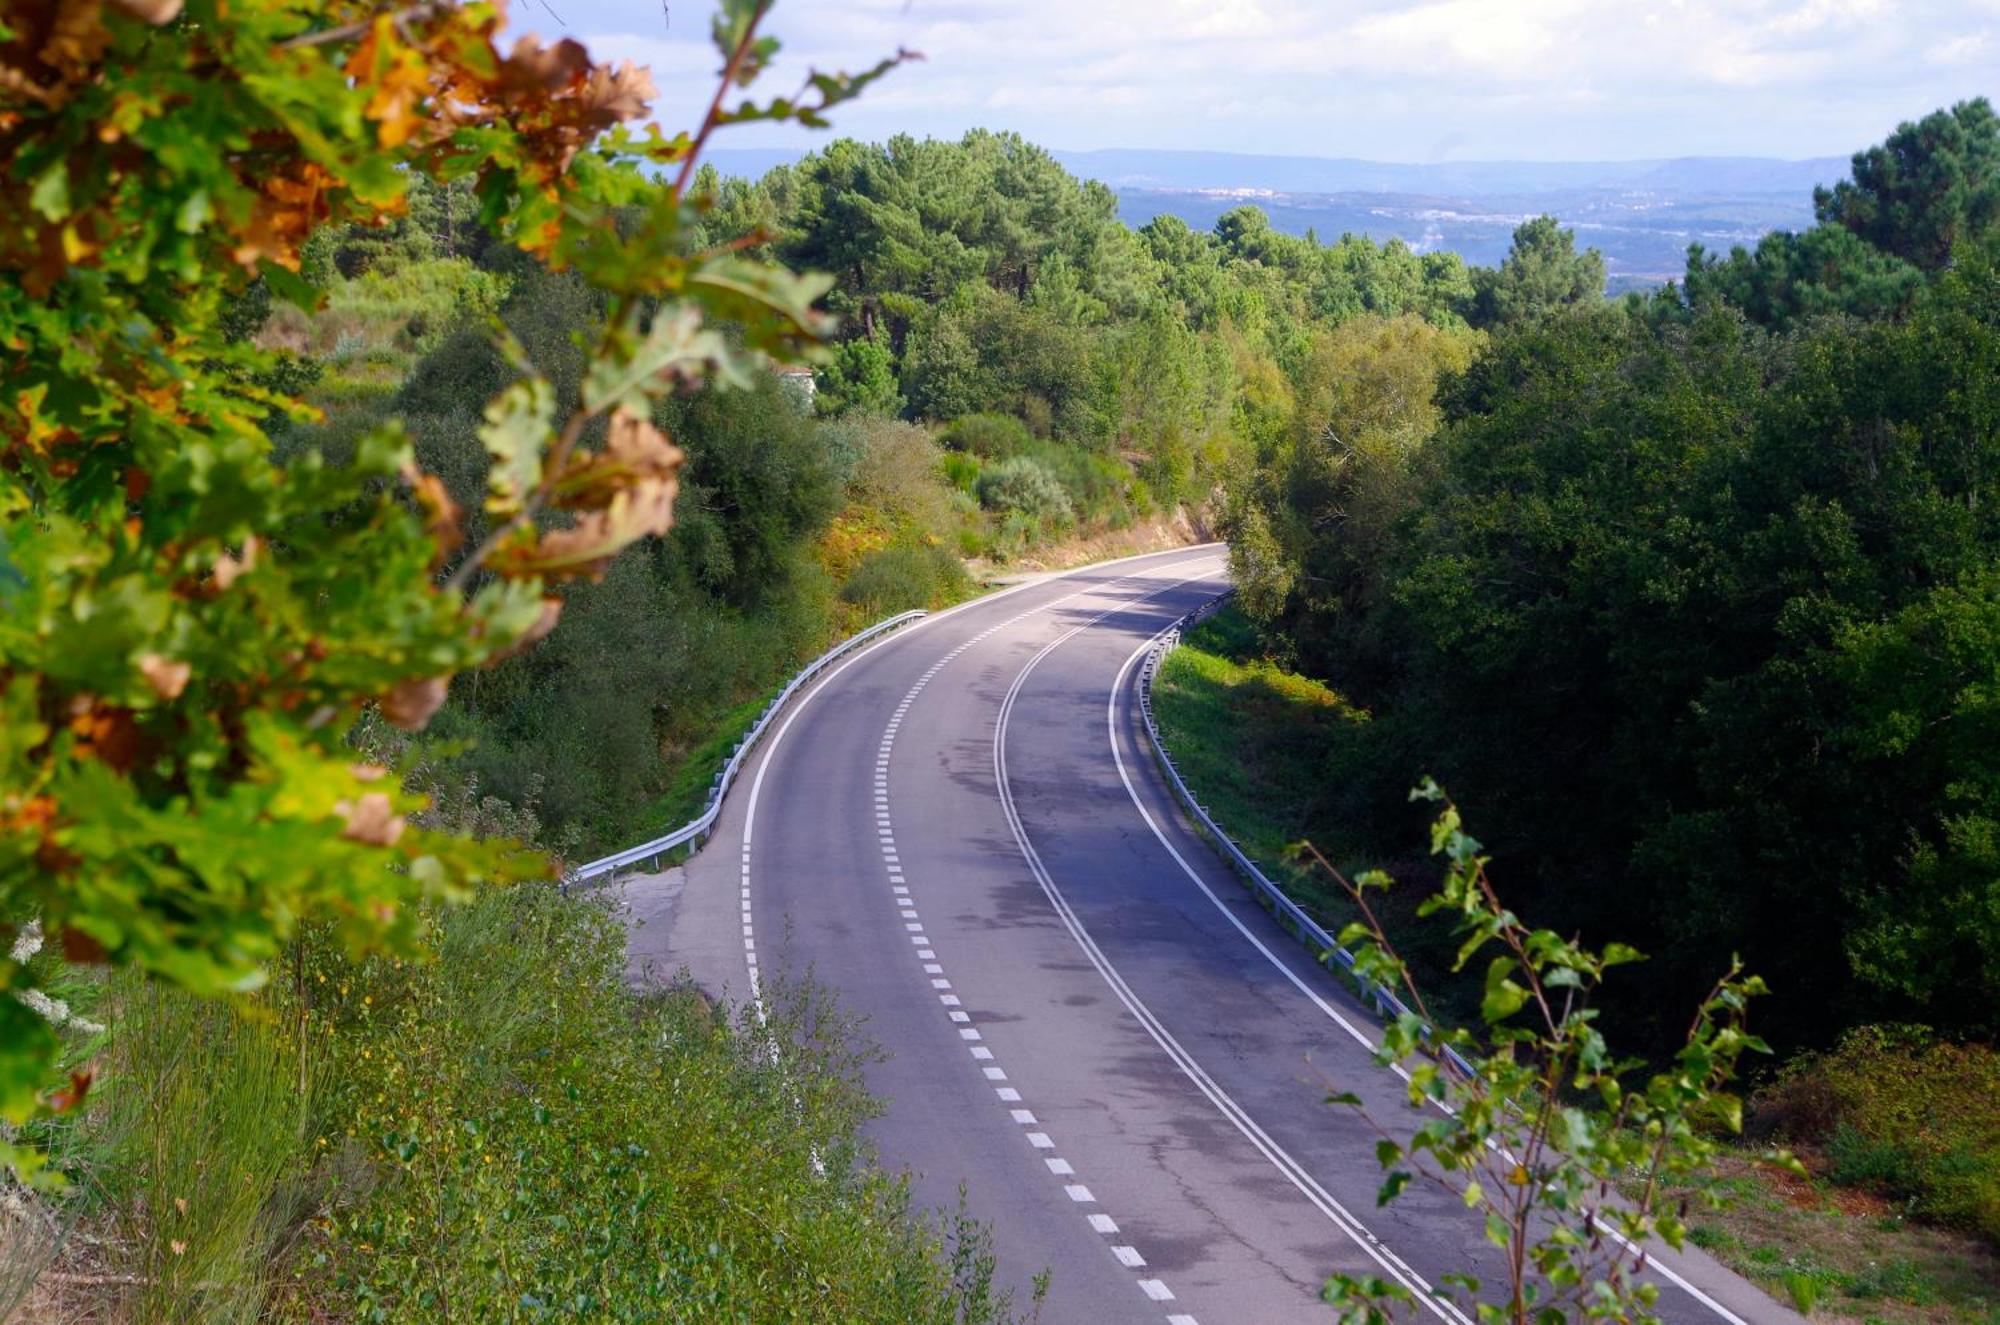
155,12
167,677
82,949
441,514
411,703
107,732
615,96
635,511
68,1097
77,37
634,450
534,67
634,442
372,820
367,772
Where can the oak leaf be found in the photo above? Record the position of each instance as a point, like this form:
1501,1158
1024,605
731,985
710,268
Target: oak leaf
410,704
635,511
532,66
615,96
78,36
441,514
107,732
372,820
68,1097
519,423
634,449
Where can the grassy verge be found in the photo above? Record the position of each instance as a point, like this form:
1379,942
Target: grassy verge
502,1133
1253,743
687,793
1844,1255
1250,738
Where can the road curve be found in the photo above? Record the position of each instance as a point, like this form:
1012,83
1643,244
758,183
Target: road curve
1088,1025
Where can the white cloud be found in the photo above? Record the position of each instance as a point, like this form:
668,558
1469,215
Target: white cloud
1389,79
1966,49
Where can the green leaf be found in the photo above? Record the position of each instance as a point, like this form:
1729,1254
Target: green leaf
50,195
28,1046
635,368
520,423
1503,998
194,213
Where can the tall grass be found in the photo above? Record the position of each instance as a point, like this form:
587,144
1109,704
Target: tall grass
207,1110
500,1133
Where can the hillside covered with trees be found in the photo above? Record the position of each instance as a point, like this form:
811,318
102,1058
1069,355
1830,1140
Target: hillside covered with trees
1693,602
1015,368
411,482
1692,595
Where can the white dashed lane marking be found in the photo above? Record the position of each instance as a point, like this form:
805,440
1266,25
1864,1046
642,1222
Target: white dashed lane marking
901,898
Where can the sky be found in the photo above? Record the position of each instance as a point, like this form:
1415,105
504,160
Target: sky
1386,80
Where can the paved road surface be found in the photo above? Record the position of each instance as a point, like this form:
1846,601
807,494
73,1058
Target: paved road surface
1088,1023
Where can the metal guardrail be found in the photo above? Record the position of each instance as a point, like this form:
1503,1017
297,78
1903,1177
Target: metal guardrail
1288,912
697,829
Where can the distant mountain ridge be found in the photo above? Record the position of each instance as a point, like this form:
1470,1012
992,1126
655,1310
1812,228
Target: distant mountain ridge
1306,174
1643,214
1162,169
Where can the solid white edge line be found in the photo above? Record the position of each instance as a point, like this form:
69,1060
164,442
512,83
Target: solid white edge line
777,737
1111,723
1290,1168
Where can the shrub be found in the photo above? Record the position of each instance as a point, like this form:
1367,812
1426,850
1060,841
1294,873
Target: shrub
1015,534
1020,484
989,436
542,1142
484,1137
896,579
1855,1160
1804,1290
897,473
961,470
1903,1113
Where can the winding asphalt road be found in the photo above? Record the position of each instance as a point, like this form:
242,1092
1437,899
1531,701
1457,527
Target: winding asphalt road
1089,1025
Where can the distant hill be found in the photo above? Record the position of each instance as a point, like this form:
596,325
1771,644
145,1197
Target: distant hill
1128,168
1642,214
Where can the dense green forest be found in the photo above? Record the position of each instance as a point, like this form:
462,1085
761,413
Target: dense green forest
1692,599
1016,368
1685,596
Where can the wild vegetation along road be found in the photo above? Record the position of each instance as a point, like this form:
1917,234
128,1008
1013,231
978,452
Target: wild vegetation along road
1087,1022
